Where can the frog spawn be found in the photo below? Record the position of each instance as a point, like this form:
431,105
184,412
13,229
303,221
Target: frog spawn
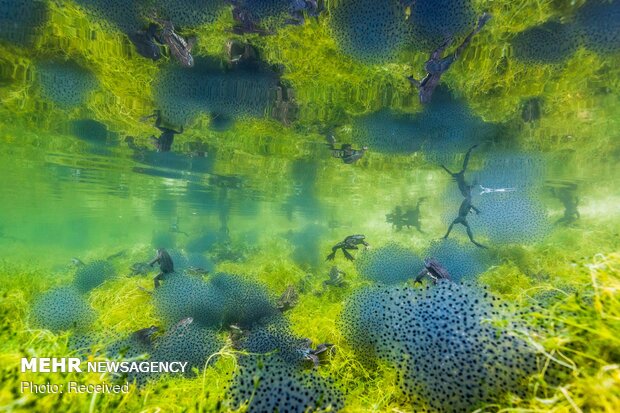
222,300
66,84
550,42
599,24
268,384
62,308
92,275
371,31
389,264
462,260
449,358
19,20
431,22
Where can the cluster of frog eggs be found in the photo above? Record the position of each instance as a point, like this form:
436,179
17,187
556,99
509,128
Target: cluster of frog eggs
66,308
443,129
516,216
19,20
268,384
375,31
596,26
183,94
389,264
130,16
66,84
449,357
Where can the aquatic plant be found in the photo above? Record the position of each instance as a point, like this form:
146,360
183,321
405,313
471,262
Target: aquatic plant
388,264
599,24
431,22
371,31
463,260
20,19
66,84
62,308
551,42
92,275
267,384
449,357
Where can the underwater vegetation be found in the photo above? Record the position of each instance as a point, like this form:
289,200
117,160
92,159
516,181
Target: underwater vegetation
449,357
66,84
19,20
62,308
126,16
388,264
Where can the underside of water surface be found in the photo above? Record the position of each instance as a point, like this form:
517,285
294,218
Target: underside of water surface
341,237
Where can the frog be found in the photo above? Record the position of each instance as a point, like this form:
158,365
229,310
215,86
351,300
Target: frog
409,218
566,193
146,41
346,153
349,243
180,48
434,270
288,299
145,335
437,65
464,210
165,140
166,266
245,21
241,54
336,278
298,7
140,268
317,354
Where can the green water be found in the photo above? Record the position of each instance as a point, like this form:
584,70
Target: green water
274,201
